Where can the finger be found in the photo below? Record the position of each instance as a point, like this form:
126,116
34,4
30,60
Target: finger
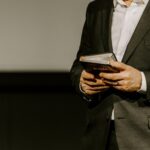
123,88
111,76
92,92
118,65
100,82
120,88
89,92
87,75
93,83
112,83
99,88
116,83
86,88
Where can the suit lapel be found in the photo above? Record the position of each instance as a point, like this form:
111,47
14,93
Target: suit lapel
141,29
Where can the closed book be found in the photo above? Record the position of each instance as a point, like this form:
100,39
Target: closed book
98,63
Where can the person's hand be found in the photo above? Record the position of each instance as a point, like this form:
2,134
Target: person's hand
91,85
128,79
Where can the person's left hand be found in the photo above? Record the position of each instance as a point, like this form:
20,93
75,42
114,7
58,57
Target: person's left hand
128,79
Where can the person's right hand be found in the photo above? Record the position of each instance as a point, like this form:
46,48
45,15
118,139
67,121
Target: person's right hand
91,85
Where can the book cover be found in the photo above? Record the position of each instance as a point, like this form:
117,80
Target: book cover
98,63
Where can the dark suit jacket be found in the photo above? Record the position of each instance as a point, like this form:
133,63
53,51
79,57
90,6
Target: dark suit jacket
132,110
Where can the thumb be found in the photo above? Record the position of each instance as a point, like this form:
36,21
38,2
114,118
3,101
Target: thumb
118,65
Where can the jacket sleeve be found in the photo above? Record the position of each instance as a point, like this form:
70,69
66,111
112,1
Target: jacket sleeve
84,49
147,75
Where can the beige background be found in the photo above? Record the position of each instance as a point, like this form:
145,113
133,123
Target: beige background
40,35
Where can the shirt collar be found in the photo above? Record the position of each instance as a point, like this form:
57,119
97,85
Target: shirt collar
122,2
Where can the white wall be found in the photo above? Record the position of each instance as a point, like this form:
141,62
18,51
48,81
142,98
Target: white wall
40,35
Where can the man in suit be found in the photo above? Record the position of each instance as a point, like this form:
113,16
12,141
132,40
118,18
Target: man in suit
118,115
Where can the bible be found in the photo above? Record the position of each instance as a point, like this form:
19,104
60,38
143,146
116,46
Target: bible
98,63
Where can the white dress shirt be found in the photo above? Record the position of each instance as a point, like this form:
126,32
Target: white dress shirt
124,21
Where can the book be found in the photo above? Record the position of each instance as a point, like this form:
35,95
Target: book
98,63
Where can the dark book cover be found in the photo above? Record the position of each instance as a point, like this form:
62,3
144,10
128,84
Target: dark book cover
98,63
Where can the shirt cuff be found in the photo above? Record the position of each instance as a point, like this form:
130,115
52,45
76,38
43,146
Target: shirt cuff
143,88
